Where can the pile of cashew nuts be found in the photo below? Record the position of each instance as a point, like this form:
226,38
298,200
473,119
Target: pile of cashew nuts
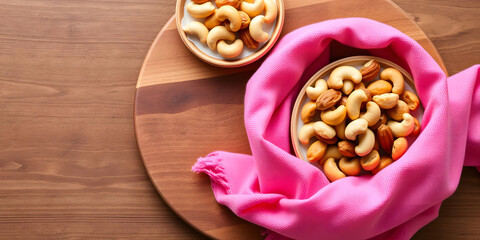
356,123
233,18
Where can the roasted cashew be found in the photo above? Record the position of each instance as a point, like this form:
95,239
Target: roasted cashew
253,9
212,21
331,152
350,167
384,162
361,85
395,77
348,87
197,29
219,33
256,30
316,151
354,103
370,161
373,113
366,141
200,10
410,99
403,128
314,92
233,3
270,11
340,129
335,116
230,50
386,100
331,170
245,19
343,101
342,73
308,111
230,13
396,113
400,146
416,129
356,127
306,132
324,130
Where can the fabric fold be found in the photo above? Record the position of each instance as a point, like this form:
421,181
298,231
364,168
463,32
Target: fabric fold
293,199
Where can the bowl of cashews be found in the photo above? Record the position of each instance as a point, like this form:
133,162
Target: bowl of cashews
229,33
355,116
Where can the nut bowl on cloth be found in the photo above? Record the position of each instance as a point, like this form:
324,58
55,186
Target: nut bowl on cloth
293,199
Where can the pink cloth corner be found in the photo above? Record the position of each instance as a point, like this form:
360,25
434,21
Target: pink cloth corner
293,199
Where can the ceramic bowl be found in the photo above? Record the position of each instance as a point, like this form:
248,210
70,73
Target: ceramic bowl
212,57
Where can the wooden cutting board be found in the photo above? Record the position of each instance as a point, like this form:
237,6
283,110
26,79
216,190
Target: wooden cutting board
185,109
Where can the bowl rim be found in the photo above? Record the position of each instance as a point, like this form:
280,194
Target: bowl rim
301,94
180,5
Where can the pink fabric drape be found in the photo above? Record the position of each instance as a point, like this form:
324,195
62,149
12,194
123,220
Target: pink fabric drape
293,199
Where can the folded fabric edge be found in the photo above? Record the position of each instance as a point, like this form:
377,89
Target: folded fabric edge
271,235
212,165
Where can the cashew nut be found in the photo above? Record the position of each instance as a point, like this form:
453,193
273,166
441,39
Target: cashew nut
382,120
253,9
324,130
335,116
197,29
348,87
403,128
200,10
230,50
308,111
331,152
350,167
400,146
340,129
316,151
230,13
386,100
373,113
212,21
395,77
331,170
245,19
354,103
306,132
366,141
361,85
270,11
256,30
219,33
384,162
314,92
410,99
416,129
397,112
342,73
343,101
356,127
370,161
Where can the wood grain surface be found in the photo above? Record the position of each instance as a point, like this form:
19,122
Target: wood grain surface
69,163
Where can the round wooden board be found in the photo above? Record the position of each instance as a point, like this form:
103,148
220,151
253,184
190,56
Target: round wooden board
185,109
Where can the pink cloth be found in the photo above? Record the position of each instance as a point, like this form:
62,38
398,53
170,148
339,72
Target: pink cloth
293,199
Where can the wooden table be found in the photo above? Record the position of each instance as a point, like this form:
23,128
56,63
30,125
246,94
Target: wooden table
69,163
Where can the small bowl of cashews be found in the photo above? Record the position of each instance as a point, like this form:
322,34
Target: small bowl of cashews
229,33
355,117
